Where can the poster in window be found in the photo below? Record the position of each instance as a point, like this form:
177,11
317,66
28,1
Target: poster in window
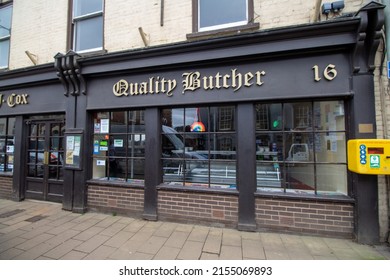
104,125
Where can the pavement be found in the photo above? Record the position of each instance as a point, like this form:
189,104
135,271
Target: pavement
32,230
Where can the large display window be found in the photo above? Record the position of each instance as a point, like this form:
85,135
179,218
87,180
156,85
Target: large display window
119,146
301,147
199,146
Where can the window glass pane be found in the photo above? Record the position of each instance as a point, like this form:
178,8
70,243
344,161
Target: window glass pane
269,175
196,145
269,146
136,146
118,122
300,177
89,34
223,174
5,21
173,120
136,121
222,118
299,147
11,126
329,115
298,116
173,171
269,117
332,178
4,53
228,12
83,7
223,146
3,126
330,147
117,168
99,168
136,169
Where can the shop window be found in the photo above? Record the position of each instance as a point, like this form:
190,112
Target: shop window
7,140
5,34
87,25
301,147
230,14
119,146
199,147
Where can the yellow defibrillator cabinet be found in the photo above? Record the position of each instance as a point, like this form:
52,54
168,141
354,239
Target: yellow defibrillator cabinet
369,156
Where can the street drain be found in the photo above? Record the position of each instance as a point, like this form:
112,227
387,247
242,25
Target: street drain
11,213
35,218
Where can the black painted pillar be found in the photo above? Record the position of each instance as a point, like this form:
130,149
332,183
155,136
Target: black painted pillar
246,166
365,187
153,166
19,159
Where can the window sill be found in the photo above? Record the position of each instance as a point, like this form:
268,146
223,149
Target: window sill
167,187
306,196
223,32
94,52
116,183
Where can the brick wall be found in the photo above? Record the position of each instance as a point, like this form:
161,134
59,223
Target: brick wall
312,217
116,199
217,209
6,187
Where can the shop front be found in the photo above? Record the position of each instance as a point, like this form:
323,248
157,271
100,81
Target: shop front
248,131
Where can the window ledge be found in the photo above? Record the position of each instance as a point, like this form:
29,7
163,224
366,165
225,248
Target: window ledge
306,196
167,187
223,32
87,53
122,184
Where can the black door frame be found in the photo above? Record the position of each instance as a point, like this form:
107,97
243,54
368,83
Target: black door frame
40,187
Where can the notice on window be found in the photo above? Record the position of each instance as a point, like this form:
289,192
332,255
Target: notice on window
104,125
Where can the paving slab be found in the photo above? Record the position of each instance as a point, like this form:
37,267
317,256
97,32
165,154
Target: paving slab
40,230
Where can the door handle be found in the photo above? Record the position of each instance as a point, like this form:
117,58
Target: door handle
46,158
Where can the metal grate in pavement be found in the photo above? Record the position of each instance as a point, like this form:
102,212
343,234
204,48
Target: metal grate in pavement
35,218
11,213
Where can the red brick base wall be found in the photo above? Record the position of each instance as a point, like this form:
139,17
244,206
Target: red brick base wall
206,208
116,199
6,187
313,217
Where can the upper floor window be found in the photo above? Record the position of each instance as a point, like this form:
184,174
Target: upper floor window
87,25
218,14
5,35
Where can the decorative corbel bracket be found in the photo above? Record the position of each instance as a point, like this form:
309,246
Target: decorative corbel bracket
69,73
368,37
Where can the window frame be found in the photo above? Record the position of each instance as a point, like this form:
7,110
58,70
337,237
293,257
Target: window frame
127,136
185,156
215,28
311,131
7,5
77,19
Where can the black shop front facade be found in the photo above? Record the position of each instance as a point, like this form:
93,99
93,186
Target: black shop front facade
247,131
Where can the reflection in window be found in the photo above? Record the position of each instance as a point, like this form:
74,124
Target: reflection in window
87,25
5,34
119,146
199,147
301,147
7,142
230,13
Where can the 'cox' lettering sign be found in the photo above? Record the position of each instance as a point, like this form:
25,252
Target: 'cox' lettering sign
14,99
